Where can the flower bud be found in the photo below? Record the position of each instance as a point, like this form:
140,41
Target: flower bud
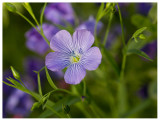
15,73
141,36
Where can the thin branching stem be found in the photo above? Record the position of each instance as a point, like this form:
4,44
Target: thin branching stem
108,28
121,21
122,89
42,34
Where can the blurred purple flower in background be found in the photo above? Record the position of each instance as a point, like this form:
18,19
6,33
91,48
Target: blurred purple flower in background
35,41
59,12
123,6
15,102
90,24
143,92
143,8
33,64
19,103
76,54
151,49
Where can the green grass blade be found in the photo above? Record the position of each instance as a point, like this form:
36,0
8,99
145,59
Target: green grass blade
50,80
39,84
140,53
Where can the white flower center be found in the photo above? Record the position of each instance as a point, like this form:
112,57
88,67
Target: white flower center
75,57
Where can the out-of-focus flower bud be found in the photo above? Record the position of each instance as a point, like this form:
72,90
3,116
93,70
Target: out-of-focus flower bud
15,73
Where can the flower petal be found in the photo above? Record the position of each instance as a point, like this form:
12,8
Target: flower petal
91,59
82,39
61,42
56,61
74,74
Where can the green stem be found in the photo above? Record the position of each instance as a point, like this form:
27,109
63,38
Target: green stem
38,97
95,34
22,83
41,17
29,9
123,67
66,91
108,28
122,93
49,79
41,69
121,21
34,27
27,20
39,84
62,90
47,41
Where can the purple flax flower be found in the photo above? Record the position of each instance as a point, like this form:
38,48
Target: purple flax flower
143,8
32,64
15,102
19,103
75,53
59,12
143,92
35,41
90,24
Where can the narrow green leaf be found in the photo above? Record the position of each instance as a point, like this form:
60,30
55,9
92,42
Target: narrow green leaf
139,31
100,12
10,7
39,84
11,85
20,87
14,82
140,53
42,13
29,9
50,80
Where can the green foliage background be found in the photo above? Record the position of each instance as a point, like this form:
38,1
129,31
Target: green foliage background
101,84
